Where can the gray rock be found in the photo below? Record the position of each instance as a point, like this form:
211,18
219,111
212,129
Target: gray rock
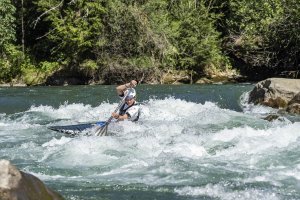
275,92
17,185
271,117
294,105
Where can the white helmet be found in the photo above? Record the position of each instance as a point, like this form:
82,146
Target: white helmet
131,93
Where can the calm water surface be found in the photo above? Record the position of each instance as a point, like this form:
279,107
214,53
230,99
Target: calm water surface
192,142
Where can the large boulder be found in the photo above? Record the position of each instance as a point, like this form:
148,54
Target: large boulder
17,185
277,93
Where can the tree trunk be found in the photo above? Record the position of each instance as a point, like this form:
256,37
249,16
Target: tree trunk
23,30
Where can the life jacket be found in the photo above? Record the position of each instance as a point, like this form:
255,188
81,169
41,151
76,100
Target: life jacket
123,111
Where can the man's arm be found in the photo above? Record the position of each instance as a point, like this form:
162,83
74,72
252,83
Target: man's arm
119,117
121,88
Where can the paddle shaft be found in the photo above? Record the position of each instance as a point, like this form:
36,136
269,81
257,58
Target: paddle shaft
122,102
102,130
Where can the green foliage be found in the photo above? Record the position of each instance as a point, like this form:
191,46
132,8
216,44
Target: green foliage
196,38
283,38
34,75
89,65
158,34
7,23
10,56
263,35
76,28
121,31
253,17
90,36
10,63
142,62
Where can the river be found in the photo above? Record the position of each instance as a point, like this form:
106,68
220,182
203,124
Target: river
191,142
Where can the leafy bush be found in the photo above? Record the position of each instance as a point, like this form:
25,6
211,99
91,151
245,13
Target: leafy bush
34,75
11,60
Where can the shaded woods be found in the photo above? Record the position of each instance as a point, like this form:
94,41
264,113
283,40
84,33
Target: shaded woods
108,41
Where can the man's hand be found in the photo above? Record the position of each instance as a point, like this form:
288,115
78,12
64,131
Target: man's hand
122,88
119,117
133,83
115,115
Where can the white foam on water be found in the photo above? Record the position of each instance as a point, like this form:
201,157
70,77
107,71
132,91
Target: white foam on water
10,125
76,112
266,177
135,147
223,192
174,143
57,142
173,110
254,141
289,172
187,150
83,151
46,177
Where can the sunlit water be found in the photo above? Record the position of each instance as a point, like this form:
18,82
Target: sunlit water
192,142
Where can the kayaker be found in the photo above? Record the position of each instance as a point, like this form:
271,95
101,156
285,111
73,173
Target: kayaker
129,110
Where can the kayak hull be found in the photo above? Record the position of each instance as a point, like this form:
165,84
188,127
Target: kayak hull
77,128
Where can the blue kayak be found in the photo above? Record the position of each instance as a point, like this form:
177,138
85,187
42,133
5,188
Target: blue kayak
77,128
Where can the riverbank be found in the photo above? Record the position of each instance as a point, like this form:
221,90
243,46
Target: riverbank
115,76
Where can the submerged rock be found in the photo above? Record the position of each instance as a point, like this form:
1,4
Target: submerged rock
15,185
271,117
277,93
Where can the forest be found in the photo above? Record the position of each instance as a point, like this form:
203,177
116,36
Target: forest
46,42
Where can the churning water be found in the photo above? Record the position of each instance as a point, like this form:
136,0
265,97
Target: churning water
192,142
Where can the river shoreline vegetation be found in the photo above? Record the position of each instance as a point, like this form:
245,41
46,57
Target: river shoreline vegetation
54,42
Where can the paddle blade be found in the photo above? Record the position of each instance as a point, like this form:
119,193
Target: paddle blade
102,131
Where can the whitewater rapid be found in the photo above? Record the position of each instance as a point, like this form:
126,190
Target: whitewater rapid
188,149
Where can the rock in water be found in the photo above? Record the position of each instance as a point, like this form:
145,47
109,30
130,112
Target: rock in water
294,105
17,185
276,93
